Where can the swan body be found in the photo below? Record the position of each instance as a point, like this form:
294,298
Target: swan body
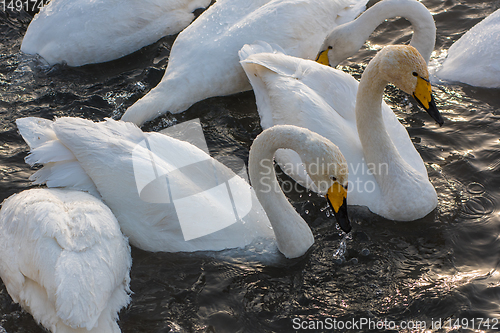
167,194
64,259
346,39
473,59
163,190
386,173
80,32
204,58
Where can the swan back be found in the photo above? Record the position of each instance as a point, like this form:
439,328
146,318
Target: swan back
64,259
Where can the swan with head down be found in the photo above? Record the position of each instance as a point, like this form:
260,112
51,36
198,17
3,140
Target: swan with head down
204,60
386,173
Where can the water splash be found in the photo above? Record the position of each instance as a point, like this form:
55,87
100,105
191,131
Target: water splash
339,255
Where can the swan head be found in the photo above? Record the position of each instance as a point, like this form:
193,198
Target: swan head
403,66
327,168
340,44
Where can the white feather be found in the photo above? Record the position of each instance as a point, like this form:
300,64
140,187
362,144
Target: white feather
64,259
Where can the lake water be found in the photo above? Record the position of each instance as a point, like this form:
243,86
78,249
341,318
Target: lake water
440,270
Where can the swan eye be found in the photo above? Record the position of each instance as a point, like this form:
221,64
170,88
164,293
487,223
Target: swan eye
415,74
333,178
330,47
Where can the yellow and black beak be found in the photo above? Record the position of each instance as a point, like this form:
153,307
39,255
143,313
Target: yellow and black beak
423,95
337,198
322,58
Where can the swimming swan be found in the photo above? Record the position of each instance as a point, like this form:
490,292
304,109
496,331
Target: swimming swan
204,60
346,39
80,32
64,259
473,59
386,173
167,194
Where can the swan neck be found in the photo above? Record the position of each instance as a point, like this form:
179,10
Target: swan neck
378,148
424,28
292,233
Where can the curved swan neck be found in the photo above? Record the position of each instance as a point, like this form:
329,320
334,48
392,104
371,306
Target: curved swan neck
424,36
292,233
378,148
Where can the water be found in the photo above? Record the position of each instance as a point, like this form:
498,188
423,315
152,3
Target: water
440,268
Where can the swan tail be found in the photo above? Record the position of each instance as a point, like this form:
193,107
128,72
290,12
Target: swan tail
160,100
351,10
262,62
60,166
36,131
259,47
270,56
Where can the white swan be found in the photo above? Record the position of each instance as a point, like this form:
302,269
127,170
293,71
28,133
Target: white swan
167,194
64,259
204,58
473,59
80,32
386,173
346,39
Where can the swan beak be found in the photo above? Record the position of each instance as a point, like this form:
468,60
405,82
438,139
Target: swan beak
337,198
423,95
322,58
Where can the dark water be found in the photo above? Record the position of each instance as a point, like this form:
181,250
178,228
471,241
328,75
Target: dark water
440,268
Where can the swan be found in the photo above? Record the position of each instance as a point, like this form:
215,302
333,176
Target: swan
204,61
64,259
346,39
473,59
80,32
169,195
386,173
